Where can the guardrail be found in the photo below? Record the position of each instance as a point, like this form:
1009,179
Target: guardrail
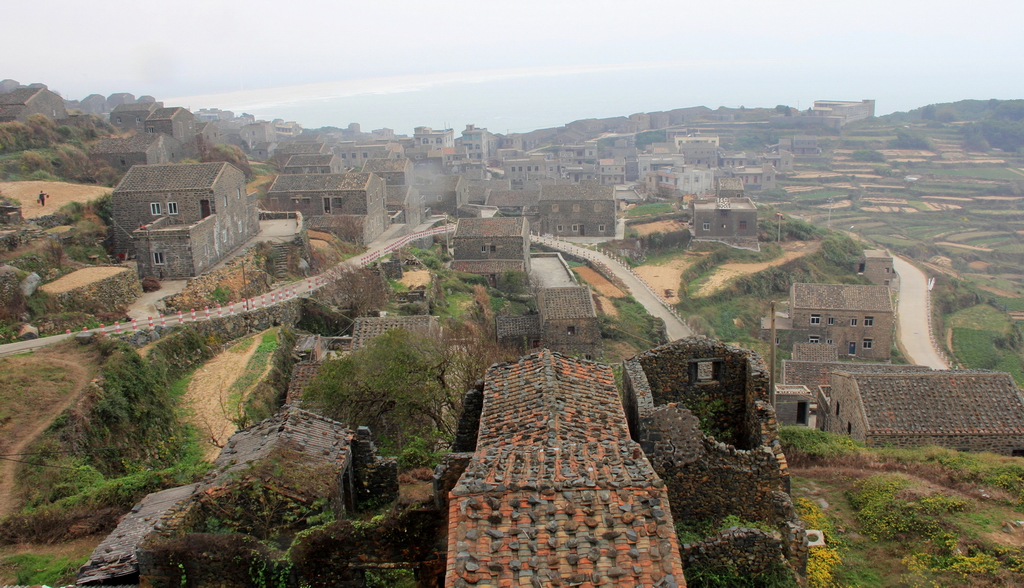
367,258
591,255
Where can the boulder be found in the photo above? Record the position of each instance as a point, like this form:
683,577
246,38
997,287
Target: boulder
27,331
29,284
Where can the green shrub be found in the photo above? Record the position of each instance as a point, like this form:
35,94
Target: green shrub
815,443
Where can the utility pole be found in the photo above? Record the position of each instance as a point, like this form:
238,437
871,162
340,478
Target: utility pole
778,237
771,355
830,201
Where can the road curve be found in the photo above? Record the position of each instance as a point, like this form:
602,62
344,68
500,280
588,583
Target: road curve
913,311
675,328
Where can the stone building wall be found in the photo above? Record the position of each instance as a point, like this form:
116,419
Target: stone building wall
841,333
585,340
469,420
375,478
587,215
751,551
109,294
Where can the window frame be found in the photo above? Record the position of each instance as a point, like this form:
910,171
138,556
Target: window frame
867,344
158,258
869,321
154,208
172,208
816,319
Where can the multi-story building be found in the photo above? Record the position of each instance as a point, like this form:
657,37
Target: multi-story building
179,220
492,246
396,172
132,117
731,220
567,322
756,177
352,205
175,121
838,113
876,265
258,132
428,137
682,179
857,319
578,210
613,171
286,129
479,143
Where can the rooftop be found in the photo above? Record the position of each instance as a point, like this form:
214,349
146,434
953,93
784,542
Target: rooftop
488,266
841,297
815,352
320,182
725,203
369,327
491,227
882,253
513,198
386,165
577,192
310,159
175,176
566,303
819,373
134,144
167,113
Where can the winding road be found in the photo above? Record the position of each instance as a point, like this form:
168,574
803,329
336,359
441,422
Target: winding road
913,313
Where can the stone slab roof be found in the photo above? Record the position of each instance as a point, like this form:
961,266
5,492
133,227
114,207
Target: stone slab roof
842,297
135,107
819,373
577,192
398,194
296,147
303,373
815,352
557,494
518,326
303,159
939,402
566,303
137,143
367,328
18,96
385,165
509,198
882,253
441,184
490,227
488,266
114,557
171,177
315,437
166,113
320,182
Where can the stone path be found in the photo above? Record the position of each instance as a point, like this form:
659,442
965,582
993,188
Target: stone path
643,294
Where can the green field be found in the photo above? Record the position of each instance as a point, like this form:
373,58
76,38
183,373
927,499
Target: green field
650,209
982,173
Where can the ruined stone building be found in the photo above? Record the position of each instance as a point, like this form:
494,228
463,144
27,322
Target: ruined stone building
492,246
351,205
566,322
405,205
578,210
963,410
570,499
21,103
859,320
132,117
139,149
179,220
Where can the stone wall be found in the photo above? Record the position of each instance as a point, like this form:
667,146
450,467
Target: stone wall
375,478
585,340
9,284
469,420
749,552
196,293
228,328
110,294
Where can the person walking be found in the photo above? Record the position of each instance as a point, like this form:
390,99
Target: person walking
42,198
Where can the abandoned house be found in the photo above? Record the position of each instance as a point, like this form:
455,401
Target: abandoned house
396,172
492,246
966,410
566,322
138,149
179,220
876,265
351,205
578,210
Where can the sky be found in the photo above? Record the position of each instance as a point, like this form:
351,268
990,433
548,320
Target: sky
903,53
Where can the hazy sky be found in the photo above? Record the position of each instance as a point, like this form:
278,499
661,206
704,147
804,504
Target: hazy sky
952,48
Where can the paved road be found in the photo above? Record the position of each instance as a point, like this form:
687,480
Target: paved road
676,328
914,329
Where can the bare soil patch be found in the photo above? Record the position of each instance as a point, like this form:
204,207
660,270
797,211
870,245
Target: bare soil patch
962,246
319,244
61,193
207,397
416,278
666,226
37,388
979,265
599,282
320,235
82,277
606,306
665,279
729,271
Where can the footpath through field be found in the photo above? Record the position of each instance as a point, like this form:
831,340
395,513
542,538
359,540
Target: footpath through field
643,294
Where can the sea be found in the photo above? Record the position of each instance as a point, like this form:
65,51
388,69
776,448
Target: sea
525,99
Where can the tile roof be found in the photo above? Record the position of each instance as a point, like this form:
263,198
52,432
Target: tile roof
320,182
557,494
114,557
18,96
315,437
815,352
135,107
488,266
385,165
842,297
939,402
441,184
566,303
303,373
367,328
398,194
175,176
137,143
577,192
819,373
296,147
490,227
518,326
310,159
511,198
167,113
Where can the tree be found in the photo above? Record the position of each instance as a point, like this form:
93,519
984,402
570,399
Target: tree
360,290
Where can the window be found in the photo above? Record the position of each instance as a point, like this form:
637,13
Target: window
154,207
118,120
158,258
867,344
575,228
438,197
554,208
829,341
831,321
483,249
837,408
238,191
849,427
743,225
597,207
494,248
570,330
869,321
707,226
172,208
575,207
559,229
815,319
813,339
853,322
600,228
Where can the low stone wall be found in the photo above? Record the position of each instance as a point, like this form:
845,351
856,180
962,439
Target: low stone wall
469,420
748,552
196,294
9,284
228,328
110,294
376,478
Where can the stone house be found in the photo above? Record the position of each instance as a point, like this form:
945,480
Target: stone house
443,194
261,151
731,220
139,149
613,171
357,155
132,117
813,374
571,480
352,205
21,103
876,265
179,220
428,137
569,321
258,132
367,328
492,246
857,319
284,151
314,164
396,172
177,122
405,205
583,210
756,177
963,410
521,202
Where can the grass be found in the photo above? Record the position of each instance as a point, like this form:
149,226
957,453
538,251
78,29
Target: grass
982,316
650,209
31,570
819,194
254,369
